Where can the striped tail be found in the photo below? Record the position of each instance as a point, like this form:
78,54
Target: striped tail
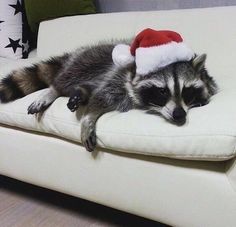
22,82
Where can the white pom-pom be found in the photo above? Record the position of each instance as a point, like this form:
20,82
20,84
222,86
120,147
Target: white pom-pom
121,55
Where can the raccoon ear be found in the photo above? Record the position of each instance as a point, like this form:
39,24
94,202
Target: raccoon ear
199,62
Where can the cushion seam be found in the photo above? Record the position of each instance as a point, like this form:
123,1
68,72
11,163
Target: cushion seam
179,156
144,153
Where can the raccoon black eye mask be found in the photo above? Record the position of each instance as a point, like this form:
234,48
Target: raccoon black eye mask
96,78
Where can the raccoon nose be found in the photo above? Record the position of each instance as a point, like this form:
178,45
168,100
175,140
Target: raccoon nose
179,115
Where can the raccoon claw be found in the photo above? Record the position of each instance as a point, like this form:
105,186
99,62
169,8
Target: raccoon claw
89,140
73,103
37,107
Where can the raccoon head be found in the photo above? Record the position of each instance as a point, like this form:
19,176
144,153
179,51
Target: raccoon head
173,90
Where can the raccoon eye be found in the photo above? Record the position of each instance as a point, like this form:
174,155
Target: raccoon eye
155,96
193,96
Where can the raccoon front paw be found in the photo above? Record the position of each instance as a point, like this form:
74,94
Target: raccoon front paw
73,103
88,138
37,106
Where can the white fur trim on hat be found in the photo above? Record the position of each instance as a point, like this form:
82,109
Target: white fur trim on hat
149,59
121,55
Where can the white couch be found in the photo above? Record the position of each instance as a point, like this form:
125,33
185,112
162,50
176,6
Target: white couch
181,176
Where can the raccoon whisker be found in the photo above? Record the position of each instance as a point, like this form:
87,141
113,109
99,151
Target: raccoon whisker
152,104
101,142
169,117
166,113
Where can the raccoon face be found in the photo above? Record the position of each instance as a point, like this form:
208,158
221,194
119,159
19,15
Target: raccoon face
175,89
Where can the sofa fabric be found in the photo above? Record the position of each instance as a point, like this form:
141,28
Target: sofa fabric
213,139
210,131
174,192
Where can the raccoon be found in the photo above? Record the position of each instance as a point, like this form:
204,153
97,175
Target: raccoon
89,78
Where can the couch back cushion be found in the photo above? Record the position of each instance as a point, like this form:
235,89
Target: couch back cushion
202,29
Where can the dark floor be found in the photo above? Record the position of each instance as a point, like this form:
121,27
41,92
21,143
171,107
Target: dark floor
81,209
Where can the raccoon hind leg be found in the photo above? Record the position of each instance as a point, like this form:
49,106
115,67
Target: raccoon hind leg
78,96
45,100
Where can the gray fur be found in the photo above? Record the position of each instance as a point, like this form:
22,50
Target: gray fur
89,77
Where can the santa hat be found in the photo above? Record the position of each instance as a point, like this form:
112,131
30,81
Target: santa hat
152,50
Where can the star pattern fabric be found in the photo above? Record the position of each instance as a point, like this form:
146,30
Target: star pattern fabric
18,7
25,35
14,44
25,46
1,21
14,32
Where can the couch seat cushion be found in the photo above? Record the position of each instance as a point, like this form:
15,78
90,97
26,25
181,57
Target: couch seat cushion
210,133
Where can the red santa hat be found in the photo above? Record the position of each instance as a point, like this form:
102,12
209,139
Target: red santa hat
152,50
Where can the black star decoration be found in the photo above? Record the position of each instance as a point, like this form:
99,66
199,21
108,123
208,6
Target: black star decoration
18,7
14,44
1,21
